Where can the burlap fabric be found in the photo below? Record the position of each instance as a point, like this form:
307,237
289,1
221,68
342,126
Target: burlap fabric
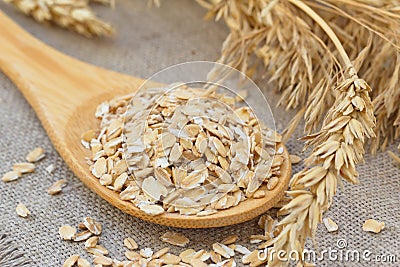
147,41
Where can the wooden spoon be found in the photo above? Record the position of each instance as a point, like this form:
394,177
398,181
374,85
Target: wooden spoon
64,92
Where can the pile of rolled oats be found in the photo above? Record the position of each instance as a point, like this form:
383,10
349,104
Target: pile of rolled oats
24,167
221,254
179,149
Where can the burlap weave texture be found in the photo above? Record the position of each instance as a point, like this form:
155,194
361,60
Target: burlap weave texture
147,41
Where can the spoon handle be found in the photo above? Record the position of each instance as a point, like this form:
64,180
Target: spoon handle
28,62
48,79
51,81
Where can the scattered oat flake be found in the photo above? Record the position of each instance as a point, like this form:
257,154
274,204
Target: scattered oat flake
374,226
251,257
174,238
330,225
160,253
229,239
83,263
56,187
146,252
24,167
94,251
71,261
187,255
50,168
103,260
91,242
254,239
35,155
11,176
82,236
242,250
294,159
198,263
67,232
216,258
223,250
169,258
130,243
81,226
22,210
132,255
92,225
102,249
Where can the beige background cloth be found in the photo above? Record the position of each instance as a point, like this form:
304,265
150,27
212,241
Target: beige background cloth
148,40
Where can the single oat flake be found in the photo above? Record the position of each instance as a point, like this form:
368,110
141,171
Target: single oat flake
71,261
169,258
82,236
67,232
24,167
223,250
92,225
132,255
146,252
56,187
35,155
229,240
160,253
174,238
130,243
83,262
98,250
50,168
374,226
294,159
187,255
103,260
11,176
91,242
330,225
22,210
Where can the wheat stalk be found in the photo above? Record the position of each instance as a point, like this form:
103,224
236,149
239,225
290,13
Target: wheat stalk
75,15
370,29
337,148
349,120
276,33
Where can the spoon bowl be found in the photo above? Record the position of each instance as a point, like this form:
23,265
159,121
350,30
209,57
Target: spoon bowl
65,92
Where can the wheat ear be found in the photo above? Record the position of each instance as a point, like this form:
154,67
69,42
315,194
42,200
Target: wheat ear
74,15
337,148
